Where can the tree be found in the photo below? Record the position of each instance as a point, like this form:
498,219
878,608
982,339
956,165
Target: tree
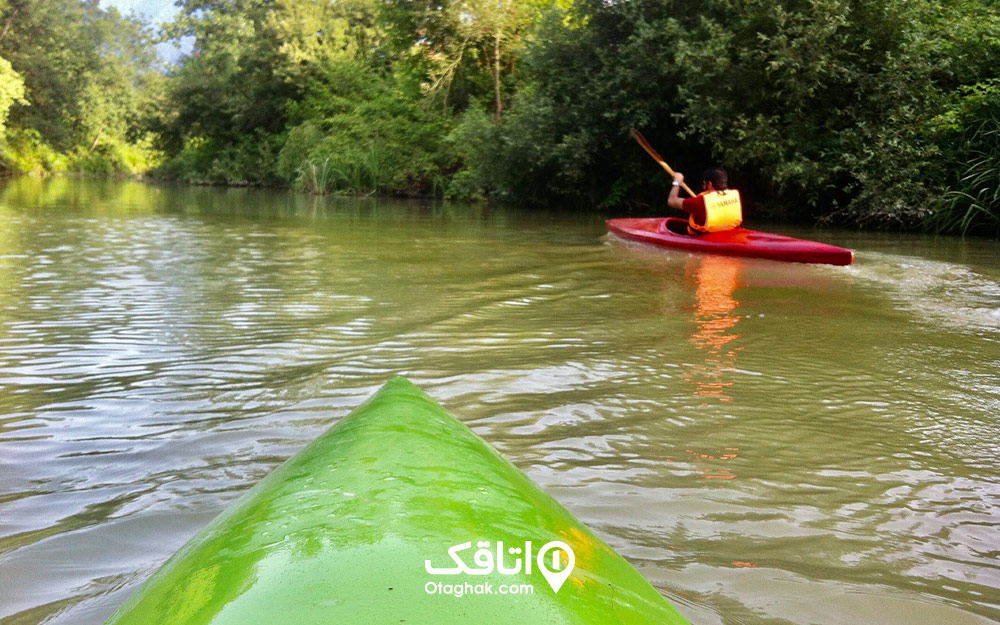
495,27
11,91
90,75
822,107
117,89
463,45
253,63
589,71
51,45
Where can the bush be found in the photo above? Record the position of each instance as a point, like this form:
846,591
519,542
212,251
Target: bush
473,141
972,205
23,151
382,143
252,159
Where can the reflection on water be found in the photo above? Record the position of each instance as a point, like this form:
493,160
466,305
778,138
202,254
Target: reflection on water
715,279
163,349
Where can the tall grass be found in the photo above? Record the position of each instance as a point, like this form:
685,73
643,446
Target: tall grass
976,208
973,206
314,177
365,172
351,172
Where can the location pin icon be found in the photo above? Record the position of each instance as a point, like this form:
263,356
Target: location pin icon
556,578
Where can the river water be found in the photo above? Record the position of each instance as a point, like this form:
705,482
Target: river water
767,443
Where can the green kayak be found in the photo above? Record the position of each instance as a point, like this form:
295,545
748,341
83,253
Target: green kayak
398,514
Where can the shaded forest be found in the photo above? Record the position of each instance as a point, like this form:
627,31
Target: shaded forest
870,114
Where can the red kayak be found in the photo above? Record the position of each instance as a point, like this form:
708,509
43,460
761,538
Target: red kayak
672,232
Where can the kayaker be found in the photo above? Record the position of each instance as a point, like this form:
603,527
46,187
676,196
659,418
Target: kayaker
715,209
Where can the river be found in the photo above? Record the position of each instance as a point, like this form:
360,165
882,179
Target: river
767,443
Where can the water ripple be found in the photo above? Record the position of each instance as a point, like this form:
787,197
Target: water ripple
767,443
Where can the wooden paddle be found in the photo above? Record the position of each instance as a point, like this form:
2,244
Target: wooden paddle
645,146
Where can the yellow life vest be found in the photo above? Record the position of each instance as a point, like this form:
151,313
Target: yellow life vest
723,211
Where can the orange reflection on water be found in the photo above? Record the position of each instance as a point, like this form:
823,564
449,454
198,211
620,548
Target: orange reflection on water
712,470
716,278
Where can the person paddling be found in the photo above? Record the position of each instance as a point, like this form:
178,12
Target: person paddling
715,209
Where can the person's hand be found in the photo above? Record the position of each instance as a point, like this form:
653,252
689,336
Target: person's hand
678,177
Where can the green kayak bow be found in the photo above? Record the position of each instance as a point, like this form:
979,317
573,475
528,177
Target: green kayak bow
398,514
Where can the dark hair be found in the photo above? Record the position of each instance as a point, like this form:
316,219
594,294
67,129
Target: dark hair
717,176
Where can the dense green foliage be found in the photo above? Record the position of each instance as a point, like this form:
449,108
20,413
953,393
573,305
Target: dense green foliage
881,114
80,89
844,109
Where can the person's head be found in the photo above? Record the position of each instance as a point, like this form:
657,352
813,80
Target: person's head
717,176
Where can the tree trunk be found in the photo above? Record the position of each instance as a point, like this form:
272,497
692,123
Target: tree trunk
10,22
93,146
496,73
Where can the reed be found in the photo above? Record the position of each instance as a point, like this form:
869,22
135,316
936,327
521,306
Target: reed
314,177
973,206
364,172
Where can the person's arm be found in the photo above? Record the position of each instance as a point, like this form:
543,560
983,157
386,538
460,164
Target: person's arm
675,200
